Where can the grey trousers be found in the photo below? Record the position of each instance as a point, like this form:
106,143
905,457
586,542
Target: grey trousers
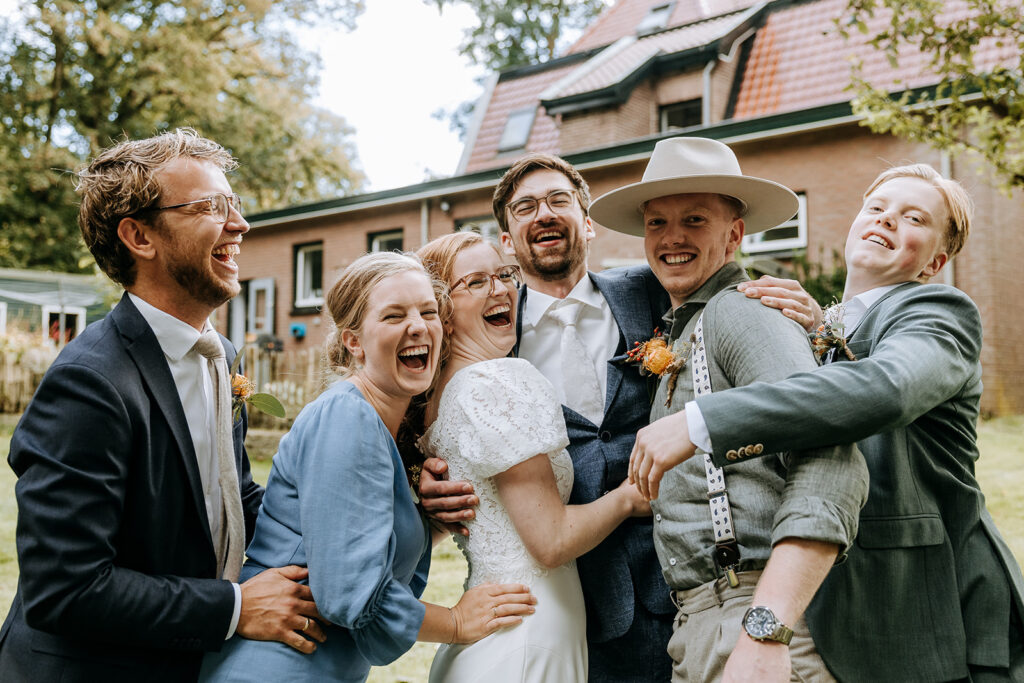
708,624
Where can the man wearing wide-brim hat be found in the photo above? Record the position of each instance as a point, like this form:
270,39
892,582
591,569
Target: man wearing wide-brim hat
743,553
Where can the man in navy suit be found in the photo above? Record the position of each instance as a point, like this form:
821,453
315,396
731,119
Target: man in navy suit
121,533
542,206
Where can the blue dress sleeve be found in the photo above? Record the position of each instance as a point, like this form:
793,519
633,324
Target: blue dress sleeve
347,496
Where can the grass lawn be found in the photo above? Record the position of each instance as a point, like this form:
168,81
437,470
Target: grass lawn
1000,471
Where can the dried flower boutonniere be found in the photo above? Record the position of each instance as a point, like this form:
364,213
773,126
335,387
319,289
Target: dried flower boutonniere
656,358
244,391
829,334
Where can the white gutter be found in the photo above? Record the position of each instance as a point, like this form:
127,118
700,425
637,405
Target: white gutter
424,221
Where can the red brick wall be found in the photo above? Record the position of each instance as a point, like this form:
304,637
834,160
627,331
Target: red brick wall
832,167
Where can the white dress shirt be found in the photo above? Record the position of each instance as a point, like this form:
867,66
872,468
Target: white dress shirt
192,379
541,336
853,313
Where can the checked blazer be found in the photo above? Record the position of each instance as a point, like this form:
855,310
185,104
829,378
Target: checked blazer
927,588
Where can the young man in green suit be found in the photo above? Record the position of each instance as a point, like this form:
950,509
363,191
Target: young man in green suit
930,591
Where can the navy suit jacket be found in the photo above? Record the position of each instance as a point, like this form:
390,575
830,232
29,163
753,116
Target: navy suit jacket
117,566
624,568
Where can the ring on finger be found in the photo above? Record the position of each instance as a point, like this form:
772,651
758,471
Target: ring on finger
305,626
494,611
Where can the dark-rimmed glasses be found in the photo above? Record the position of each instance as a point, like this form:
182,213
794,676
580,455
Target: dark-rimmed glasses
480,284
218,205
559,201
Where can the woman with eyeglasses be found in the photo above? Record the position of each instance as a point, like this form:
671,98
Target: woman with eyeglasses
498,424
338,498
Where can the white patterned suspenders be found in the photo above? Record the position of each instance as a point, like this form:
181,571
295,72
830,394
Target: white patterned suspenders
727,551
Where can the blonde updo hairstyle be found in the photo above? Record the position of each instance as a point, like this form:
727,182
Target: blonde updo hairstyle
348,299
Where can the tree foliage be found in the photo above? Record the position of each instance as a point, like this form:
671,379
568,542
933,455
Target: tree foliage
521,32
77,76
977,104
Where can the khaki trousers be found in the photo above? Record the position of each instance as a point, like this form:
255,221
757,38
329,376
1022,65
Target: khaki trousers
708,624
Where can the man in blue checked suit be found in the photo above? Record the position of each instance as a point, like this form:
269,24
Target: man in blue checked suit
542,206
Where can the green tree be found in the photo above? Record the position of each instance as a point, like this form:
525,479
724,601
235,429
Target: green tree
521,31
977,104
76,76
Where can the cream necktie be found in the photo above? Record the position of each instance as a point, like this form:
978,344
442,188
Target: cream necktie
230,547
579,378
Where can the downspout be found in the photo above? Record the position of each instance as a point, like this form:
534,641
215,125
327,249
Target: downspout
424,221
946,170
705,102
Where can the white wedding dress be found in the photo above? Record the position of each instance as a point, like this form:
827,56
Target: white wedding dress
494,415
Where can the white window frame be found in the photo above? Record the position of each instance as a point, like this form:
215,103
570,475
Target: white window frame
656,18
664,109
757,244
511,137
305,296
3,317
376,238
47,309
485,226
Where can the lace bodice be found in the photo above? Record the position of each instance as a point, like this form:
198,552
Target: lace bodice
494,415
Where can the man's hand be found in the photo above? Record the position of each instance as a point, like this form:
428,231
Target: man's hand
786,295
276,607
659,447
448,502
761,661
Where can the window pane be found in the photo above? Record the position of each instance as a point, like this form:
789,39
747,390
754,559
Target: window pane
314,265
517,130
681,114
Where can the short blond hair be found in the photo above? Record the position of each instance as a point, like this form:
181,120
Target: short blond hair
959,204
348,299
121,182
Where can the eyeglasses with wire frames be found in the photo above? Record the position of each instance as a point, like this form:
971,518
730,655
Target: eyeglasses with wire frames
218,206
559,201
481,284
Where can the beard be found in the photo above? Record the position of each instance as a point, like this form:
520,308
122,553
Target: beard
554,266
201,284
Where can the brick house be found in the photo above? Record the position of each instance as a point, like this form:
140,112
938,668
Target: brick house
767,78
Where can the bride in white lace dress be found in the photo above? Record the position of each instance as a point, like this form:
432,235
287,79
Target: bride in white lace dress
498,424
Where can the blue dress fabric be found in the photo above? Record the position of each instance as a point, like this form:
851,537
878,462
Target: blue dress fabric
338,502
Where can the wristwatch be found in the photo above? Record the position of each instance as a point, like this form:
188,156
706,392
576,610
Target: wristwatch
760,623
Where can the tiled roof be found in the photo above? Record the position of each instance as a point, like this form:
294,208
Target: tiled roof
798,60
615,63
621,19
511,95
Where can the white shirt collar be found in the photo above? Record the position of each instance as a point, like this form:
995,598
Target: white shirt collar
538,303
176,337
855,308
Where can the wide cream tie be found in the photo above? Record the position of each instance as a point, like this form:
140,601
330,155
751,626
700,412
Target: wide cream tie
231,547
579,378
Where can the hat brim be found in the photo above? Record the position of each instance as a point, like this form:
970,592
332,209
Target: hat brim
768,203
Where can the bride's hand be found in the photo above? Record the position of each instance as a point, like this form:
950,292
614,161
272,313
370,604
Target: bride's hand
484,609
638,506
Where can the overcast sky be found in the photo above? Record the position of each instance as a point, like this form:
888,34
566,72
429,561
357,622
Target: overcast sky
386,78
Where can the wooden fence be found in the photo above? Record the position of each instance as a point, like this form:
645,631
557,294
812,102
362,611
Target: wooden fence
20,373
295,377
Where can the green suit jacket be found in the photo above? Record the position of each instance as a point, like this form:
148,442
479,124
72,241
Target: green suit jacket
928,585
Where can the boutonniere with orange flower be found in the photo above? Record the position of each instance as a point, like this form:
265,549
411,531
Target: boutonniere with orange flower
655,357
243,391
829,334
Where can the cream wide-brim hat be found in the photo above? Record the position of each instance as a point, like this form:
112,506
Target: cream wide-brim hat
690,166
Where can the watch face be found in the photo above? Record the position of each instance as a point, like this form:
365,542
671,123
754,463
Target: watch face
760,622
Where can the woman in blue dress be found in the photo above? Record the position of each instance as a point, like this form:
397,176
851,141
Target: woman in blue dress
338,499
